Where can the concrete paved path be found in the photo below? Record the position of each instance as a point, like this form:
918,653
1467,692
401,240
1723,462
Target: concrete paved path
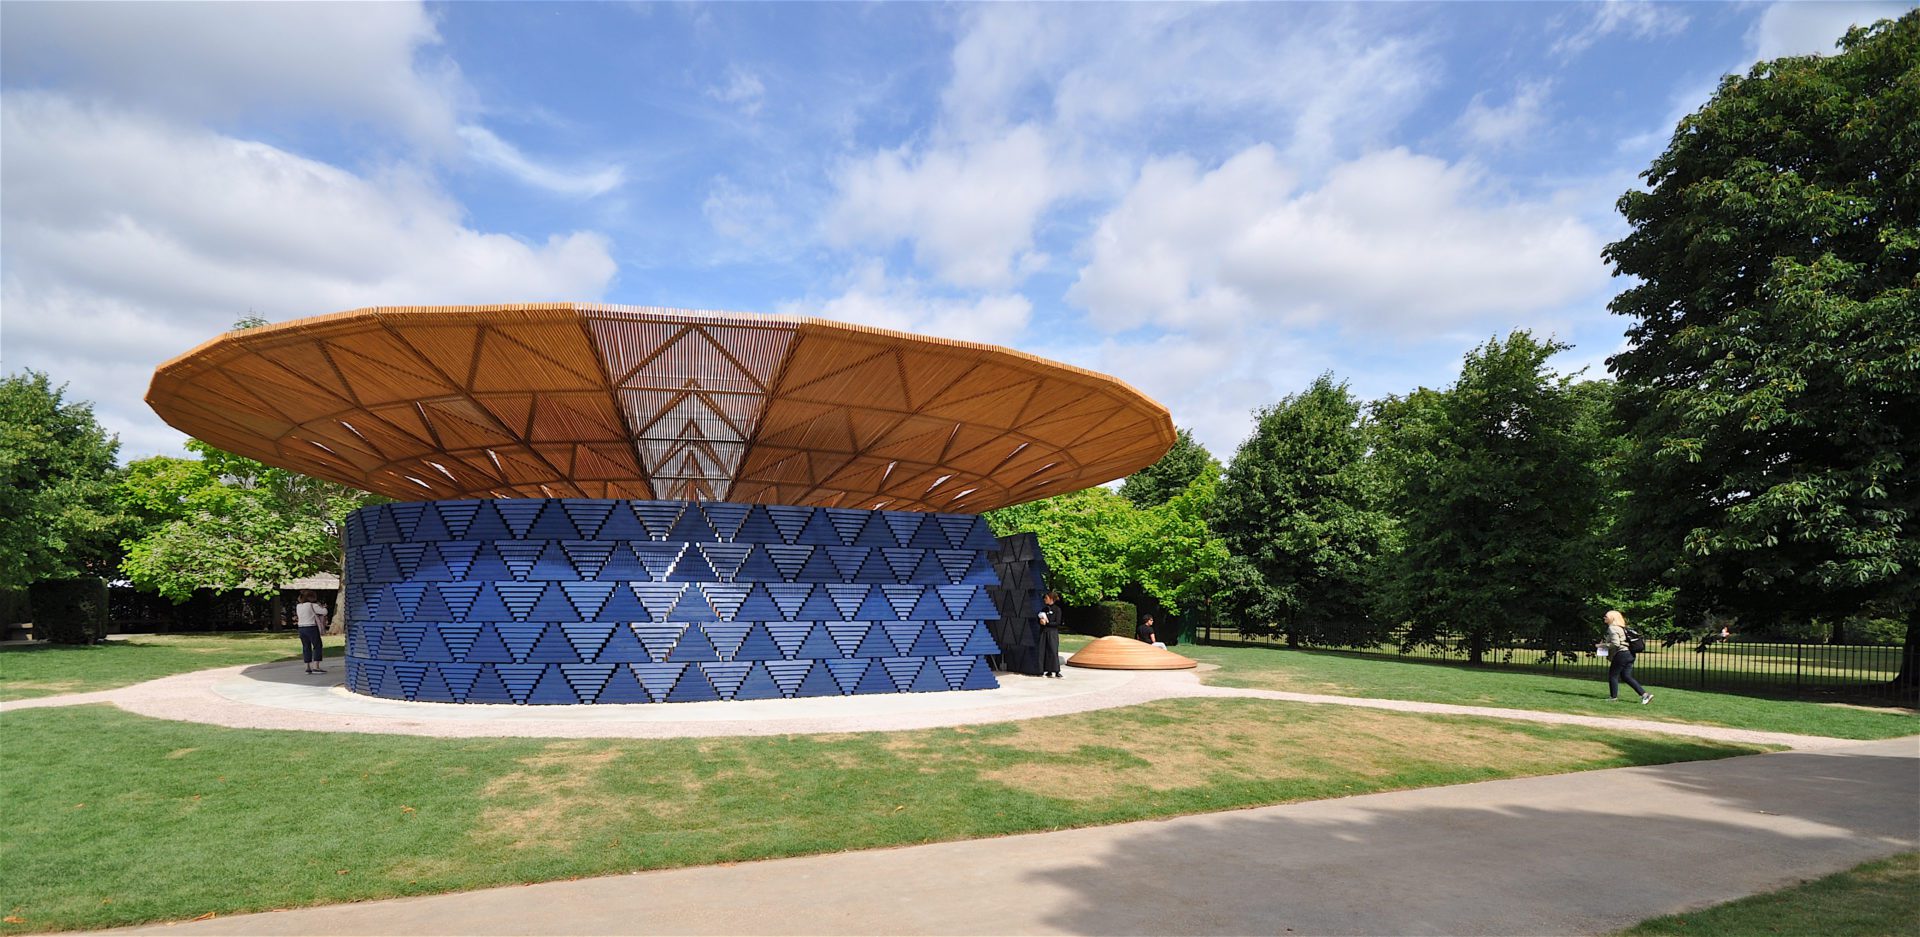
275,696
1568,854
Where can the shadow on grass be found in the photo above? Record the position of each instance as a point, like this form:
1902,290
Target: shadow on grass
1578,858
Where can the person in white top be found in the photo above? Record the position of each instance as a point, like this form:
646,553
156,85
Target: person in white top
311,617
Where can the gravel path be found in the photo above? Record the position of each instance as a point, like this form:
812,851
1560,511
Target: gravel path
276,696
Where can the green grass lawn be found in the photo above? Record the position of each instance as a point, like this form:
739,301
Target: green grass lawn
1340,674
117,819
51,669
1835,667
1878,899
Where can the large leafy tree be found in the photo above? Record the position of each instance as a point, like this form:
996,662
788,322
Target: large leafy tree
1086,537
1098,545
1298,509
1499,502
1773,376
227,522
1175,557
1164,480
57,515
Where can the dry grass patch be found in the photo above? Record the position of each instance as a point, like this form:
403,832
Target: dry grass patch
1229,742
554,800
30,688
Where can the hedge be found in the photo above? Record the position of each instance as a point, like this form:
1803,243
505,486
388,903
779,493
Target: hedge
14,608
69,611
1104,619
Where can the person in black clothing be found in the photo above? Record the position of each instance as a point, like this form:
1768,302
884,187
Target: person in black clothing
1049,621
1145,631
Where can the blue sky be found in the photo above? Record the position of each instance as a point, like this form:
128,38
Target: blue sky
1212,202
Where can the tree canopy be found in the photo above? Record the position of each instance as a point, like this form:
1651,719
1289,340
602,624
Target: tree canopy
57,515
1097,543
1499,501
1085,536
1774,368
1297,508
1164,480
226,522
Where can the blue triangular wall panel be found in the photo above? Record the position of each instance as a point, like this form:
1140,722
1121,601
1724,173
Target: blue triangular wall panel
554,601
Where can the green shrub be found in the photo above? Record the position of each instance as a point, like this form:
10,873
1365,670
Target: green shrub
69,611
1103,619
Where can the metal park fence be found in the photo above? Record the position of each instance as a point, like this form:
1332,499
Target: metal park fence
130,611
1862,672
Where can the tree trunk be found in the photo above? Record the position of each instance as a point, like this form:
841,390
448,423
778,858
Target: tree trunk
340,598
1909,677
1476,649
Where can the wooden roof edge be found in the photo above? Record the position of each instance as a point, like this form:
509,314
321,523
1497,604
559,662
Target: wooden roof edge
293,326
182,367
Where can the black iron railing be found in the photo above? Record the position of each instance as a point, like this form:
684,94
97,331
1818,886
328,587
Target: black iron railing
1782,668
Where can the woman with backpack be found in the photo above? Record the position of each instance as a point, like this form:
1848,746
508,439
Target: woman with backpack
1619,648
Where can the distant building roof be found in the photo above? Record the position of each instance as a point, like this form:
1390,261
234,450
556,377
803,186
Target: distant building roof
317,581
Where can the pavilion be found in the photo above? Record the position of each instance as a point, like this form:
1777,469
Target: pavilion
613,504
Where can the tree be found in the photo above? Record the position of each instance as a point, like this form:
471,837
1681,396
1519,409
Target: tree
1498,500
1298,508
1163,480
227,522
1175,557
57,516
1086,536
1772,379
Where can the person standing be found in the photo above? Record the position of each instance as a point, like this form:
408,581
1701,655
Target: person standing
1619,647
1050,615
311,616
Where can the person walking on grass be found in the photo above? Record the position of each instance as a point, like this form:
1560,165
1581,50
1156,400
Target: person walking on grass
1618,648
311,616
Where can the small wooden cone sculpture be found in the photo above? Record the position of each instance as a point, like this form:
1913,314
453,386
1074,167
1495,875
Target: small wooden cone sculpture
1117,653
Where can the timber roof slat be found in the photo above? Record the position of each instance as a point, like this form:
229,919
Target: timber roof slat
544,400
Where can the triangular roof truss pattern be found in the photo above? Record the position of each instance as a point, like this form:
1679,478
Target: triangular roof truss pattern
580,400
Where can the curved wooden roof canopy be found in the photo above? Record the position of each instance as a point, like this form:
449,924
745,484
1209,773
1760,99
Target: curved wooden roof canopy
577,400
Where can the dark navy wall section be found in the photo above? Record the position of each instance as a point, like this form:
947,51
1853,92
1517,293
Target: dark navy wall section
603,601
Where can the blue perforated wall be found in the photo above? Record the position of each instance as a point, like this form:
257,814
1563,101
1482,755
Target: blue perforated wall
603,601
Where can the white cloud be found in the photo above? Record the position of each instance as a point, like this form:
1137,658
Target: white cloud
969,210
109,273
742,89
1391,238
1809,28
740,214
1508,124
1211,383
870,297
1052,103
366,63
1638,19
487,148
221,60
1312,76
